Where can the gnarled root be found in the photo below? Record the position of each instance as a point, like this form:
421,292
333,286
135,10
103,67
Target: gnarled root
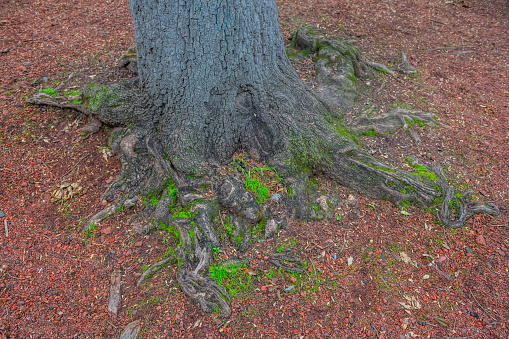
205,291
195,256
387,123
455,208
42,98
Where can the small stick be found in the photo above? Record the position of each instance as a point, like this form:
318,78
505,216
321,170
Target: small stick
447,48
373,327
316,276
442,273
86,155
430,324
456,52
342,247
481,306
152,269
438,22
503,225
385,282
6,229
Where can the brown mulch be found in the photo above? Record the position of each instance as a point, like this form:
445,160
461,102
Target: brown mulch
54,280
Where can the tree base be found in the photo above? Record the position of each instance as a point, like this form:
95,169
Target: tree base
198,199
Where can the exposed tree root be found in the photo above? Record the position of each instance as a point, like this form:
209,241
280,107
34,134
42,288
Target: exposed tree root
42,98
405,66
457,207
379,67
177,167
387,123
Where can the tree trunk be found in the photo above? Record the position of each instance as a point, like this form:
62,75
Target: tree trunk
219,78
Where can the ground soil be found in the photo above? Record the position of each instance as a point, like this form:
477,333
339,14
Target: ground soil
54,280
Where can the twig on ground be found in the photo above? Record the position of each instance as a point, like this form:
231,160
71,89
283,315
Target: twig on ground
24,278
448,48
374,328
342,247
481,306
314,269
442,273
503,225
153,268
385,282
437,21
86,155
6,228
456,52
430,324
379,67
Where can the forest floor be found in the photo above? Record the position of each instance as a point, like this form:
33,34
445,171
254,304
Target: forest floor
376,273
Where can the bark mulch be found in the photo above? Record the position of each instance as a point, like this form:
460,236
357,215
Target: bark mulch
375,273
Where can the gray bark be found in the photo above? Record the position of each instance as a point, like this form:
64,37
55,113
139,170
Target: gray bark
218,74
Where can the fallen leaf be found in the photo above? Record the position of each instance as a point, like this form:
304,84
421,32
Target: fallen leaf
480,240
250,271
405,258
442,322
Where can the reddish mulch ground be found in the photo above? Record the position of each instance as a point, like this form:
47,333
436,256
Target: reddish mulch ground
54,280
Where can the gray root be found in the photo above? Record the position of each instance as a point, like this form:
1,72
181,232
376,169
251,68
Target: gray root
42,98
287,262
129,60
337,65
379,67
387,123
405,66
454,210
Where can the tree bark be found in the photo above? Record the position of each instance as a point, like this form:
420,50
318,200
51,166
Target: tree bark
219,79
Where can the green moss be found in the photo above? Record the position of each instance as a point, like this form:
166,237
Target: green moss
50,91
233,278
97,95
308,152
172,191
426,175
257,187
191,234
72,93
172,230
290,191
371,132
228,228
385,169
261,225
154,201
76,102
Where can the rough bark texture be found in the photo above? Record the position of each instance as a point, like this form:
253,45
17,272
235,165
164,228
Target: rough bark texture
214,79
